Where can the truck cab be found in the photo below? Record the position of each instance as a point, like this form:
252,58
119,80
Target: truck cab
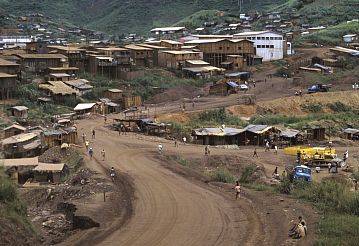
302,173
318,88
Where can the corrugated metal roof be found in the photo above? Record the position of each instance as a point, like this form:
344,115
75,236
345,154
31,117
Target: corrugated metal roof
351,130
83,106
21,128
289,133
217,131
258,129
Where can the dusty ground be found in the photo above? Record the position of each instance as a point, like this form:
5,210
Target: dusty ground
177,206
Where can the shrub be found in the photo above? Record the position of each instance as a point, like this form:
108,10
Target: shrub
313,107
222,175
339,107
247,174
285,187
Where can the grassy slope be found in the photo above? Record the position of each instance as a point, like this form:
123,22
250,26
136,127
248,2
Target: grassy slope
324,12
332,35
119,16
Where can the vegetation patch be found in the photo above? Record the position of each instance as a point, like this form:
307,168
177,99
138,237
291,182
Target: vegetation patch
223,175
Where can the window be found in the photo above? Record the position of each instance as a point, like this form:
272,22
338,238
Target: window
271,38
271,46
267,38
228,48
220,48
267,46
258,38
259,46
239,48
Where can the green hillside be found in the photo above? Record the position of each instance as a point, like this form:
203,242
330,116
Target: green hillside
124,16
323,12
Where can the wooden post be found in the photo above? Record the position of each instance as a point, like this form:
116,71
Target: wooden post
104,196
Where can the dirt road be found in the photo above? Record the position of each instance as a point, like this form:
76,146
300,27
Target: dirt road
169,209
173,209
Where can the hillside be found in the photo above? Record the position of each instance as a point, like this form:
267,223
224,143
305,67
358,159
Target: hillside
323,12
124,16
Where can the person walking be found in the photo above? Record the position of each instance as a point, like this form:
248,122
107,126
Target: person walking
93,134
255,154
267,146
103,154
176,144
276,149
184,139
237,189
83,137
87,143
91,153
207,151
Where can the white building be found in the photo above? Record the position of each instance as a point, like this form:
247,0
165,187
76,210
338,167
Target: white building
269,45
349,38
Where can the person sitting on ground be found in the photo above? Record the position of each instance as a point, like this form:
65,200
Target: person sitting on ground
275,173
284,175
237,188
301,231
293,229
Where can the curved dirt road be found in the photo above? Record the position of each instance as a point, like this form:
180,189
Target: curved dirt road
169,209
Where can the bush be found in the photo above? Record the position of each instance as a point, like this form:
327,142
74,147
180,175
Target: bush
313,107
247,174
222,175
285,187
330,195
339,107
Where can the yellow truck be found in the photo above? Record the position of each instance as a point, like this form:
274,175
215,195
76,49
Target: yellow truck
314,156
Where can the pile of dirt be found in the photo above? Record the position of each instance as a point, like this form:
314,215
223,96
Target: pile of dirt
43,205
176,93
57,155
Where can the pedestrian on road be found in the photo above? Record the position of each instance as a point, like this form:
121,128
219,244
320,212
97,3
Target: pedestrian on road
91,152
193,104
267,146
207,151
83,137
265,80
105,119
176,144
184,139
87,143
275,149
237,188
255,154
119,131
103,154
254,84
93,134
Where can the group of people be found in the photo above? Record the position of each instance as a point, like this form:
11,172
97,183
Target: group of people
90,149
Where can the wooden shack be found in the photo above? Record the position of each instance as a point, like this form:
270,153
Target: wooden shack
175,59
217,136
129,101
216,51
85,108
7,85
316,133
9,67
50,172
351,133
13,130
22,145
113,94
141,56
235,63
259,134
19,112
171,44
76,55
156,49
59,91
224,89
39,63
59,77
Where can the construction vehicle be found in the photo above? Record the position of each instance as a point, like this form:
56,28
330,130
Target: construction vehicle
314,156
318,88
